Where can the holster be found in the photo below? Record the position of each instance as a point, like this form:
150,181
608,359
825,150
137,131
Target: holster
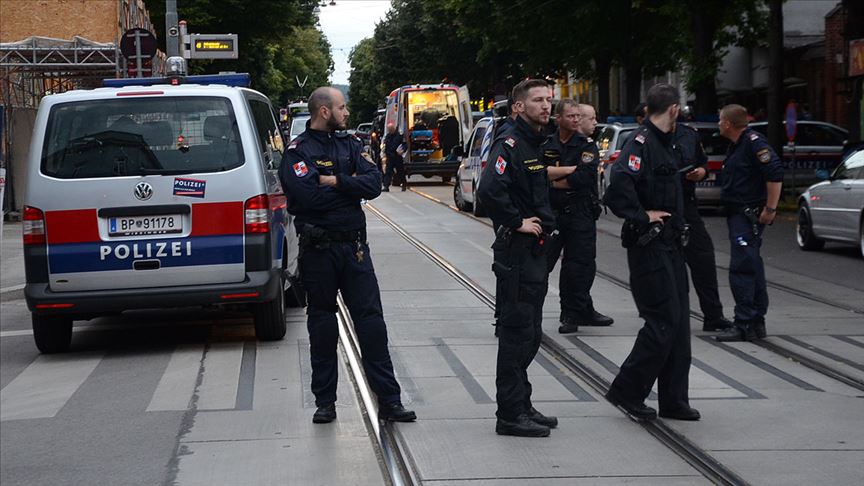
314,237
629,233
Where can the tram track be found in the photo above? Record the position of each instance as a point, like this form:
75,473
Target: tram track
707,465
396,464
768,345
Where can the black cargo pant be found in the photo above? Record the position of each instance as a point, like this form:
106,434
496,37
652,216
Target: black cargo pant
325,271
520,270
699,254
577,236
658,281
746,268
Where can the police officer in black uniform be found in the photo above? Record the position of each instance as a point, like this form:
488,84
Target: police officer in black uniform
516,189
325,176
576,205
752,183
393,148
699,251
645,190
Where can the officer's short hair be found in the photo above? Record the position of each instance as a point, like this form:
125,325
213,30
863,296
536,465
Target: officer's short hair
735,114
520,91
559,110
322,96
660,97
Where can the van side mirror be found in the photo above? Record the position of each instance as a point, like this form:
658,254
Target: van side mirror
457,151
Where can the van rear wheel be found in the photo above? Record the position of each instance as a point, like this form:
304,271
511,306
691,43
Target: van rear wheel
53,334
270,316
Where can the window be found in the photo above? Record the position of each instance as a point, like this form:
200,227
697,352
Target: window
269,139
818,135
605,138
852,168
141,136
623,136
477,141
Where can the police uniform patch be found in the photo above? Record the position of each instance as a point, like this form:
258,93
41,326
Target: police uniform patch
367,157
753,136
587,157
634,163
640,138
510,141
293,144
500,165
764,155
300,169
324,163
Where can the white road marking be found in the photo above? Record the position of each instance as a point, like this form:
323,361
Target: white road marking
11,288
218,390
177,384
44,387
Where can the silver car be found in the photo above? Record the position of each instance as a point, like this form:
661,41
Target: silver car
474,158
833,210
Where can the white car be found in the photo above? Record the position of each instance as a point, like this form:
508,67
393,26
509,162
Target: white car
474,158
833,210
149,195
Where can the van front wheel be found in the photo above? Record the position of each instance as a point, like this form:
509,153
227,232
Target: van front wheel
53,334
270,317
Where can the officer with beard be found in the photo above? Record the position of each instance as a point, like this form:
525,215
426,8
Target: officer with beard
325,176
577,207
516,190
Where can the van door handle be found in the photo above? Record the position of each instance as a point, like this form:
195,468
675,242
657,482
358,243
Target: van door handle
146,265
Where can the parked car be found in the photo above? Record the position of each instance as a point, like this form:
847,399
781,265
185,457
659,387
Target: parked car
363,132
715,146
833,210
298,125
474,158
609,142
148,195
818,151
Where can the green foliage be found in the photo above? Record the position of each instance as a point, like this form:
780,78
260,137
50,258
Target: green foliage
278,40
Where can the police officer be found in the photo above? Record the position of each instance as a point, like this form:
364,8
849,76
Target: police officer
576,207
699,251
325,176
645,190
516,190
393,150
752,183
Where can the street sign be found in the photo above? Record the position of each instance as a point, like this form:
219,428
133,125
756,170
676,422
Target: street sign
791,121
213,46
145,39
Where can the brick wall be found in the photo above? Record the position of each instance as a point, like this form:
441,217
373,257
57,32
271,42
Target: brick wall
96,20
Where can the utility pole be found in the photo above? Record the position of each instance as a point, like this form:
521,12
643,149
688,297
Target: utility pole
775,76
172,32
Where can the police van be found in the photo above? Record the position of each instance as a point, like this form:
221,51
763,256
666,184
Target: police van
156,193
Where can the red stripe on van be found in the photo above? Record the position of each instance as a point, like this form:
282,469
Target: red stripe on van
71,226
223,218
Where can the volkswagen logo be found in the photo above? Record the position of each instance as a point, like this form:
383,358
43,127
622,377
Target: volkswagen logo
143,191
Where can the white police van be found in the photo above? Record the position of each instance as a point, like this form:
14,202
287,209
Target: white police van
156,193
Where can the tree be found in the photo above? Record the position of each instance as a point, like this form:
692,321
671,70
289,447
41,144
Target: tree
278,39
365,87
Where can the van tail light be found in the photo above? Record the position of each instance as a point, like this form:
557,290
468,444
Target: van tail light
257,210
33,226
715,164
483,164
614,156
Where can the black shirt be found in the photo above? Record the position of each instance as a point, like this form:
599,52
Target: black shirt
688,145
750,163
314,153
514,184
580,151
645,177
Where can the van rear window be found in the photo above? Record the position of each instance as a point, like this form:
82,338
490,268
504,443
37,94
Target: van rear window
141,136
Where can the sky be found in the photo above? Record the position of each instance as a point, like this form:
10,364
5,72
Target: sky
347,23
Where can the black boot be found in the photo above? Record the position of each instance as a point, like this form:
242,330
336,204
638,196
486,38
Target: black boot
638,411
596,319
717,324
759,328
539,418
521,427
568,325
385,189
395,412
688,413
739,332
325,414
